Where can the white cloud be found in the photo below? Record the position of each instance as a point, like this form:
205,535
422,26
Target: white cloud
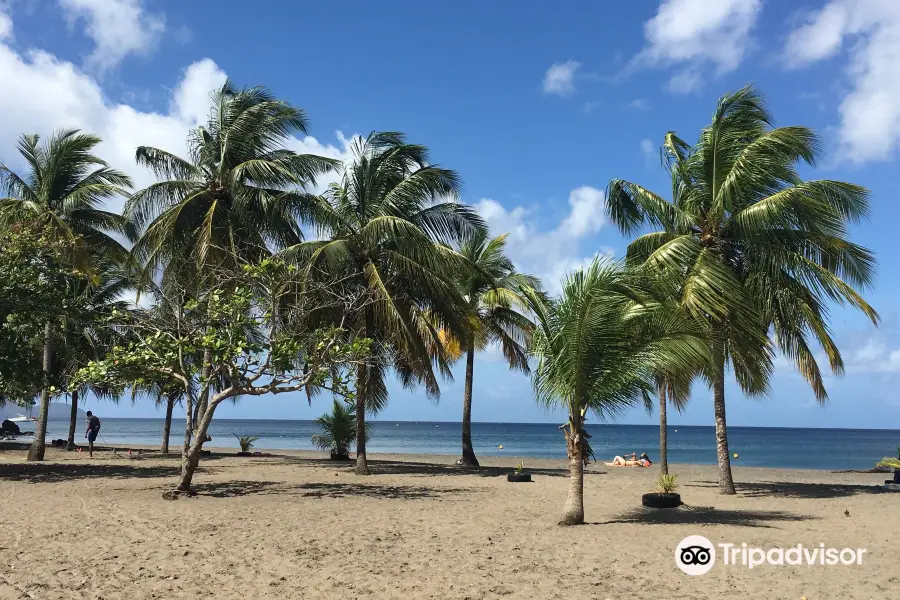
696,33
53,94
560,78
117,27
548,253
6,26
590,107
870,112
873,357
638,104
647,149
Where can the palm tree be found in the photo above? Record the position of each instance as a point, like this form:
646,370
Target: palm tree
599,347
338,430
383,230
757,249
238,194
493,294
64,189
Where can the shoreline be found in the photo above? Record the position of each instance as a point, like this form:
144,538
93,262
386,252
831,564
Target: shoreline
432,458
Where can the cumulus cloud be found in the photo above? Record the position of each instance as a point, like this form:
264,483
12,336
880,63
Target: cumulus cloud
647,149
698,33
870,113
117,27
52,94
874,356
560,78
548,253
6,26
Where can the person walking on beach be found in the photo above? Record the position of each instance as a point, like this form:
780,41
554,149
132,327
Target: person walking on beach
92,431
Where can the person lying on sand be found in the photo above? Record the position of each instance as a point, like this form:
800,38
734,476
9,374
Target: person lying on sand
630,460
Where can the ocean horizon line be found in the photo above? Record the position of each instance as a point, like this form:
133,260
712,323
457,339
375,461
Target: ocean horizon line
415,421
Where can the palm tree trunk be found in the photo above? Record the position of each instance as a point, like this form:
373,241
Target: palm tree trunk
362,466
73,421
726,483
362,380
468,452
36,452
573,512
663,432
167,428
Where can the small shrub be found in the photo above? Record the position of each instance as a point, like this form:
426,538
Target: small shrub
666,484
246,441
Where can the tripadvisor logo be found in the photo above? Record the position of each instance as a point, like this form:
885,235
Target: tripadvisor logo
696,555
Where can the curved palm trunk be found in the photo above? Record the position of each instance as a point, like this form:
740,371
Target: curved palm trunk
73,421
663,432
573,512
726,483
36,452
167,427
468,452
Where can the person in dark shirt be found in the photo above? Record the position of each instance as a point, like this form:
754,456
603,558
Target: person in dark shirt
92,431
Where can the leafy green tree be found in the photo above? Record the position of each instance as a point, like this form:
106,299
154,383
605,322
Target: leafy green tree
384,228
496,307
35,282
253,328
64,189
757,248
598,348
338,430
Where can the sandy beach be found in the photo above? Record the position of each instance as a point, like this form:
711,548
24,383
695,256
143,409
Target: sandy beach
297,526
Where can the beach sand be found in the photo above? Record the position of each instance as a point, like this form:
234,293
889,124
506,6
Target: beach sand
297,526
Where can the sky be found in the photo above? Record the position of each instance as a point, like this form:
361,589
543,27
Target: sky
536,106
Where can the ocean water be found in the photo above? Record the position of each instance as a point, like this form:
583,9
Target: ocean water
756,446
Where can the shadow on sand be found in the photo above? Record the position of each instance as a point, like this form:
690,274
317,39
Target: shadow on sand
233,489
790,489
391,467
56,472
706,515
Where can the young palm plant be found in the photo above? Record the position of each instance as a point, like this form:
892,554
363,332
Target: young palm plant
598,348
497,307
385,229
756,248
65,187
338,430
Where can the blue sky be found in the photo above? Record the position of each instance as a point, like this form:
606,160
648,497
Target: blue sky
537,107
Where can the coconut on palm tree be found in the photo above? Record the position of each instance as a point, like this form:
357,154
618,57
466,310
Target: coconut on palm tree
757,249
385,228
65,189
493,294
598,347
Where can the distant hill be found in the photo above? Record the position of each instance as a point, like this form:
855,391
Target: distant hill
58,411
